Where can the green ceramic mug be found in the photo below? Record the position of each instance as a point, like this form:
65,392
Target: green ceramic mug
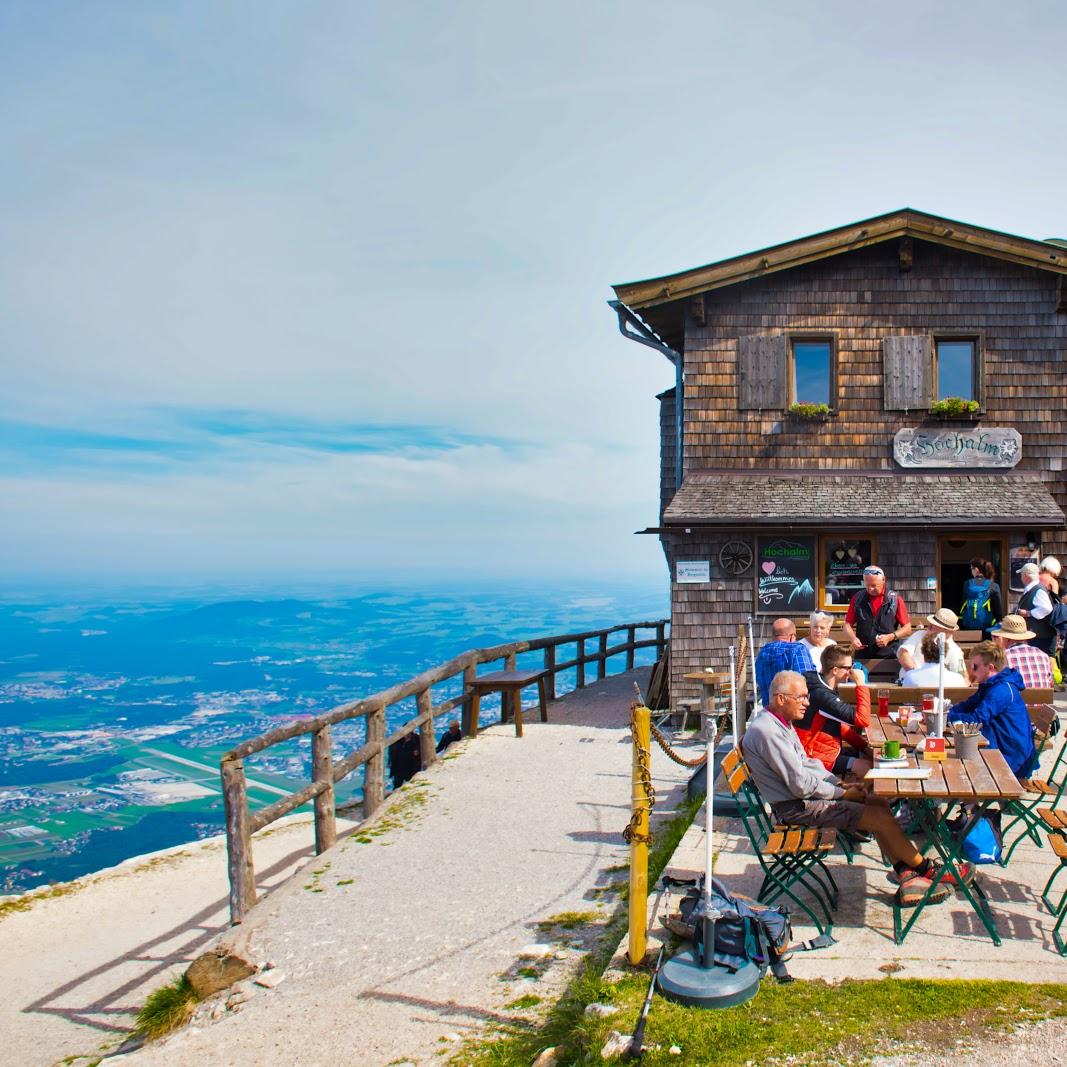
891,750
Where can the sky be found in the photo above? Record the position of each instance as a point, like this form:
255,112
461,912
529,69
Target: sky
320,288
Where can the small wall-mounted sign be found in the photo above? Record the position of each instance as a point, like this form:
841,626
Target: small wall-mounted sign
931,583
995,447
692,571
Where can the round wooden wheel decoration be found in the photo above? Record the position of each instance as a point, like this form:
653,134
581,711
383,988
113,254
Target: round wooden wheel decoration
735,557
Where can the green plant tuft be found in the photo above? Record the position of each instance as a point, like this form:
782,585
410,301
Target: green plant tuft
810,411
954,405
167,1008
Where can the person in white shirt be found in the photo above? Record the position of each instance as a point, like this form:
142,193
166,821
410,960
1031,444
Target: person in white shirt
928,675
943,621
818,638
1035,606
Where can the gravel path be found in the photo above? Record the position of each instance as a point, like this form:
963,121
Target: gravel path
1039,1043
391,945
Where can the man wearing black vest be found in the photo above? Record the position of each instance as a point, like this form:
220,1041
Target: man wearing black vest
1035,606
877,619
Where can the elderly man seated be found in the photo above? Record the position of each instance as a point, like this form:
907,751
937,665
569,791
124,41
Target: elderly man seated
911,655
801,791
784,653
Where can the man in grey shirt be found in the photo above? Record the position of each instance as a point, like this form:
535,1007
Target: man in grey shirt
802,792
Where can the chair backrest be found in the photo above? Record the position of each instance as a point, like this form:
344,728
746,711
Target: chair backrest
750,804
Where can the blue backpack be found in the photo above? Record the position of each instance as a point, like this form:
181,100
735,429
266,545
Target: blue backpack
976,613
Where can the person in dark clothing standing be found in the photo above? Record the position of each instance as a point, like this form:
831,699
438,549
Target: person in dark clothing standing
405,759
450,736
1035,605
877,618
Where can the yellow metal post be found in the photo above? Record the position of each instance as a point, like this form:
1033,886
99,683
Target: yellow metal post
639,838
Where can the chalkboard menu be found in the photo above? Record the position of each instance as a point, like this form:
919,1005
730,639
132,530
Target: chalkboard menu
785,576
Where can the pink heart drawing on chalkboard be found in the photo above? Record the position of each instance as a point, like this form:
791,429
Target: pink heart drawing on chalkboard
768,568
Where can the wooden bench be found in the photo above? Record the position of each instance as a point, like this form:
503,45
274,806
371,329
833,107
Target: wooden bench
505,682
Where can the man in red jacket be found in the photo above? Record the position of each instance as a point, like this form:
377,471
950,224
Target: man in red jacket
831,730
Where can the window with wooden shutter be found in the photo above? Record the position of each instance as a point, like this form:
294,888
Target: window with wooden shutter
907,368
761,372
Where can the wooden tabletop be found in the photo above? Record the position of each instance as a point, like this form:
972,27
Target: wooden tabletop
986,778
707,677
498,678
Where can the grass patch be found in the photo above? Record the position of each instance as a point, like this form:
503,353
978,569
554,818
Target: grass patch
27,900
167,1008
528,1001
566,1025
812,1023
404,811
569,920
345,881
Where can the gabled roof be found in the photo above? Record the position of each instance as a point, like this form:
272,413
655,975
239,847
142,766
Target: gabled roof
907,222
828,499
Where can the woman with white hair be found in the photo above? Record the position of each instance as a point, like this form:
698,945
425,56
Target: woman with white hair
818,638
1050,571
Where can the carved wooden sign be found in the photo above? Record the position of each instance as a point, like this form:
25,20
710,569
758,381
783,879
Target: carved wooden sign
993,447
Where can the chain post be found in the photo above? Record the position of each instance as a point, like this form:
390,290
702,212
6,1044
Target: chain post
643,797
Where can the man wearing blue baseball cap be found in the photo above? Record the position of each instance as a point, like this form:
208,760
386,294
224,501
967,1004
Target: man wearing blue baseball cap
877,619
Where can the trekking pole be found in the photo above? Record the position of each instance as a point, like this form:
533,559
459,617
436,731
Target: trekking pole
637,1042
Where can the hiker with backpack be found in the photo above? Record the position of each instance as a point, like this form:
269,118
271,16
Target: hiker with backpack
982,604
910,654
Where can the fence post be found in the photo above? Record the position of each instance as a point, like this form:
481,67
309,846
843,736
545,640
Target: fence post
550,666
579,649
631,637
427,742
509,701
374,776
661,639
602,658
322,771
470,672
238,840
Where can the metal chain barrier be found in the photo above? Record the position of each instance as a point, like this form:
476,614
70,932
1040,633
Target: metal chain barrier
671,753
631,833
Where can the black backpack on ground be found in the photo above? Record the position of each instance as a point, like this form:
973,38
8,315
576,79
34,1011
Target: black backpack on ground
745,931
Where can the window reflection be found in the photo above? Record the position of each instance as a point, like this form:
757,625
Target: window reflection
843,560
811,372
955,369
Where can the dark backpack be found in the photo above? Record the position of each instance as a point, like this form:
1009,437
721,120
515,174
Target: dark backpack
976,613
745,931
1057,619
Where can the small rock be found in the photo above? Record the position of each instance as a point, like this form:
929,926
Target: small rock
242,993
536,952
602,1010
548,1058
675,1050
270,979
562,955
218,1011
214,971
615,1045
452,1037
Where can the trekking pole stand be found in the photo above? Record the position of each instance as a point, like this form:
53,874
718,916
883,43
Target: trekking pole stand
692,976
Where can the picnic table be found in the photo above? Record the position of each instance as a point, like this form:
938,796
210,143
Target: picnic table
952,783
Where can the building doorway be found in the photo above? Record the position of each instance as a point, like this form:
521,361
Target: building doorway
954,555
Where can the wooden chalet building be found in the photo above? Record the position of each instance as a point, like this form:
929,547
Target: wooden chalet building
768,508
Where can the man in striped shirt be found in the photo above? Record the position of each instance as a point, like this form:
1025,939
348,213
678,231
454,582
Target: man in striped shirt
1033,664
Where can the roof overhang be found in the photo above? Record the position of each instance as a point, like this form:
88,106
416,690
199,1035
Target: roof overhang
826,500
652,296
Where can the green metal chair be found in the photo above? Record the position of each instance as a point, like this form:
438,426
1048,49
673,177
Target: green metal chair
791,857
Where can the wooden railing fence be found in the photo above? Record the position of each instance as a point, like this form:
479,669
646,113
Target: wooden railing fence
242,822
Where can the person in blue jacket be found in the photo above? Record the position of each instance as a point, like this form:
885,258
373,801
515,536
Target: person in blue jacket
998,708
